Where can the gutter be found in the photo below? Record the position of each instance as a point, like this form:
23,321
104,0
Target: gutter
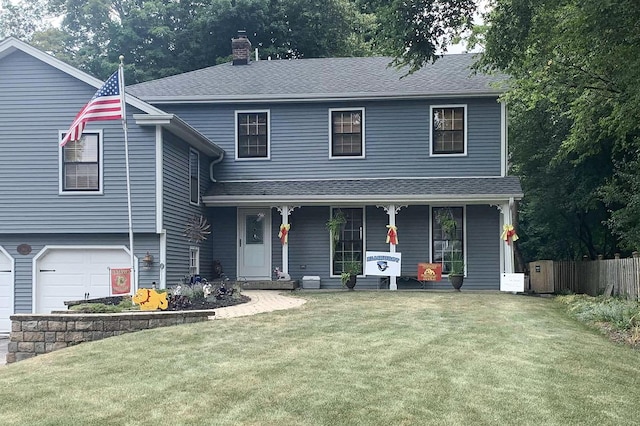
213,163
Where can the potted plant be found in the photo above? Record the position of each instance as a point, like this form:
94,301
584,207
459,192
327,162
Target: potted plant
456,273
350,271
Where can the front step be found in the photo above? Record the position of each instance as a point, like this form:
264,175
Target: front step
268,285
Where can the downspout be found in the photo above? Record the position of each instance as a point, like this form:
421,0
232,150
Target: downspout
213,163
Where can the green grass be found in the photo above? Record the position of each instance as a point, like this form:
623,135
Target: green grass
344,358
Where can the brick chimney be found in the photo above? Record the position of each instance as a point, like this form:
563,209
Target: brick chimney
241,49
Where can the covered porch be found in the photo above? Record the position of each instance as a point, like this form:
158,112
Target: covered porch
258,226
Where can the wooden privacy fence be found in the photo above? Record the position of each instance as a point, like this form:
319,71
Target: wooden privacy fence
588,277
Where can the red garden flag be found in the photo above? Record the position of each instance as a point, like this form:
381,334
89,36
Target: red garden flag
106,104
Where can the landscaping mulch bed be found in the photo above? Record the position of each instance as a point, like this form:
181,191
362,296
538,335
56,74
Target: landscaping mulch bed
211,303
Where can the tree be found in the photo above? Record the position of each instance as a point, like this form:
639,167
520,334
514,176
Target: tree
574,62
22,20
414,31
160,38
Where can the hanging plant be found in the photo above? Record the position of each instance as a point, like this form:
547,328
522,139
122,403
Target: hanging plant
197,229
334,225
448,223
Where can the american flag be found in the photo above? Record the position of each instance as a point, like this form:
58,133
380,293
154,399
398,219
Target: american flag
106,104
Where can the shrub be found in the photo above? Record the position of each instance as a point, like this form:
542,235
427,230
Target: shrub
620,314
95,308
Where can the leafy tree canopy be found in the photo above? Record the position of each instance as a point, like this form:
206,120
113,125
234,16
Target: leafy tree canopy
160,38
574,66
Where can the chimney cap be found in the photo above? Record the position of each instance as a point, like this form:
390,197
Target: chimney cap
242,33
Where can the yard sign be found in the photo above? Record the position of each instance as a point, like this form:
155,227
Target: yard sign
383,263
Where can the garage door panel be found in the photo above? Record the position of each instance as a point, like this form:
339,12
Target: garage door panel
6,292
77,271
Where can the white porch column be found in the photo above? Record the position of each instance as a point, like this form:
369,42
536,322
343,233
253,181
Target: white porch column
393,284
285,211
391,210
508,263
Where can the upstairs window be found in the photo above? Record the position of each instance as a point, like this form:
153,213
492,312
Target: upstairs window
81,165
194,176
252,134
448,130
347,132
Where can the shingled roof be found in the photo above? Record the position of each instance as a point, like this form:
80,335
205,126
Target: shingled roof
421,190
323,78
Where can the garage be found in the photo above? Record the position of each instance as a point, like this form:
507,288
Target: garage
71,273
6,290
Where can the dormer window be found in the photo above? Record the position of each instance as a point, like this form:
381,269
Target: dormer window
448,130
347,132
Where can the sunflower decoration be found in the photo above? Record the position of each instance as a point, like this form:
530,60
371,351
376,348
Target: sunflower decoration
197,229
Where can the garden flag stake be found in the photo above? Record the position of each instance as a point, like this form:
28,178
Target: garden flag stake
108,103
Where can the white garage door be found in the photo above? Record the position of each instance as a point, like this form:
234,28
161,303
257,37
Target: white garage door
6,291
68,274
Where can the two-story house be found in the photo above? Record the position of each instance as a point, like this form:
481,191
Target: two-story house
305,139
250,145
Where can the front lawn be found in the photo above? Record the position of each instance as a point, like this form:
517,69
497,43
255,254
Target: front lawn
357,358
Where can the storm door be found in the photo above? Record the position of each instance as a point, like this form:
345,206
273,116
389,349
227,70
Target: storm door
254,244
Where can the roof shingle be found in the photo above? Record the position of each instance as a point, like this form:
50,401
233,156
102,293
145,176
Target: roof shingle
322,78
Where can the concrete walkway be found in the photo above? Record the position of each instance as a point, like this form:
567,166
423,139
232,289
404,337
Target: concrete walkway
261,301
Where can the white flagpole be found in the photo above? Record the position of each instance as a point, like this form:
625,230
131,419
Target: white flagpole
126,160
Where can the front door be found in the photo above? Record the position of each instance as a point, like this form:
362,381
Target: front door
254,244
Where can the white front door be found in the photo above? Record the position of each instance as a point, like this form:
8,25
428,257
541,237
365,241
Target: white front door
6,291
254,244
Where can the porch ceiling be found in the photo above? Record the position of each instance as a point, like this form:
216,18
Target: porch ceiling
476,190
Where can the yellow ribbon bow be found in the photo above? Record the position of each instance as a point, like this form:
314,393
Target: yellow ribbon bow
284,233
392,235
509,234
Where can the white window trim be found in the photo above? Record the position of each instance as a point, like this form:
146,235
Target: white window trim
61,190
362,126
364,239
466,133
197,203
196,250
464,234
253,111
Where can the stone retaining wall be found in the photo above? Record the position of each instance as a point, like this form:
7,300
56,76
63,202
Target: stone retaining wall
35,334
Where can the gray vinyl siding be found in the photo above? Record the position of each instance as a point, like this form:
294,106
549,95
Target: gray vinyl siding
24,263
224,223
178,209
39,101
396,140
483,248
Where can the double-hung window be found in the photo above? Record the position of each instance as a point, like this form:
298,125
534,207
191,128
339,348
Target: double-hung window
194,176
347,132
447,224
81,165
349,244
448,130
194,260
252,135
